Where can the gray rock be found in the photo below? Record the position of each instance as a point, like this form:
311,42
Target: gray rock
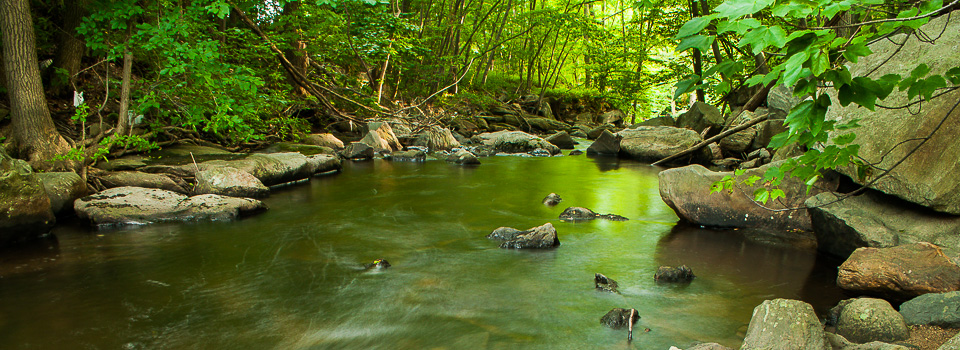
552,199
229,181
304,149
586,118
121,164
899,273
413,155
670,274
653,143
324,163
357,150
701,116
546,125
562,139
504,233
876,220
139,179
888,135
463,157
63,188
838,342
138,206
709,346
780,100
270,168
687,191
606,144
658,121
577,213
385,135
437,139
618,318
521,142
376,142
25,210
605,284
614,117
784,324
594,133
938,309
325,140
766,130
786,152
540,237
952,344
866,320
739,141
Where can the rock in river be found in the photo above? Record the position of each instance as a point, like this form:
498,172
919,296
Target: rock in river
136,205
618,318
229,181
552,199
540,237
899,273
604,283
784,324
679,274
580,214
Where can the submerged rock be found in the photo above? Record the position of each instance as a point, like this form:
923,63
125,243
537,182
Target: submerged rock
552,199
618,318
669,274
540,237
138,206
604,283
378,264
581,214
463,157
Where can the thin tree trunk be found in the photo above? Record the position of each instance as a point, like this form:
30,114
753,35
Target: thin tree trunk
298,54
697,64
34,134
123,121
496,40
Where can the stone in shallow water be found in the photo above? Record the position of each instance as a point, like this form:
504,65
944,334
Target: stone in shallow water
138,206
618,318
540,237
679,274
605,283
552,199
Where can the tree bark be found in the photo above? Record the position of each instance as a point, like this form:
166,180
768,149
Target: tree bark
298,54
69,47
123,120
34,134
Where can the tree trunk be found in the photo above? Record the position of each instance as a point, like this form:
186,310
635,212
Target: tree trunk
69,47
496,40
697,64
34,135
297,55
123,120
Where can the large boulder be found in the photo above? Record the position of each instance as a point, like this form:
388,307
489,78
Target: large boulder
781,100
270,168
938,309
891,134
952,344
766,130
384,138
653,143
138,179
25,209
606,144
615,117
138,206
618,318
437,139
540,237
687,191
546,124
866,320
784,324
323,163
521,142
701,116
563,140
325,140
463,157
229,181
63,188
357,150
876,220
899,273
658,121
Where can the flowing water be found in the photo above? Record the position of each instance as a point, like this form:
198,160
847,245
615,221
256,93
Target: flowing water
292,277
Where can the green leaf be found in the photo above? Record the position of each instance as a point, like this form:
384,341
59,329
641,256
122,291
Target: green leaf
761,195
855,51
751,181
795,8
725,68
844,139
953,75
793,68
762,37
926,87
694,26
685,86
739,26
777,193
701,42
819,63
740,8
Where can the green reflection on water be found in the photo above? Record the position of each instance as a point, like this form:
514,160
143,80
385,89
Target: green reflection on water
292,277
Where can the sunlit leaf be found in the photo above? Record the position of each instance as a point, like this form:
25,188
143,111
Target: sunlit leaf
740,8
694,26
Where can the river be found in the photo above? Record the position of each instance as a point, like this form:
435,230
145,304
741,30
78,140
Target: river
292,277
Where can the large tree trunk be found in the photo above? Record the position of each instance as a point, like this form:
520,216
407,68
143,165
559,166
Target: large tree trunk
298,54
34,135
123,121
69,47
